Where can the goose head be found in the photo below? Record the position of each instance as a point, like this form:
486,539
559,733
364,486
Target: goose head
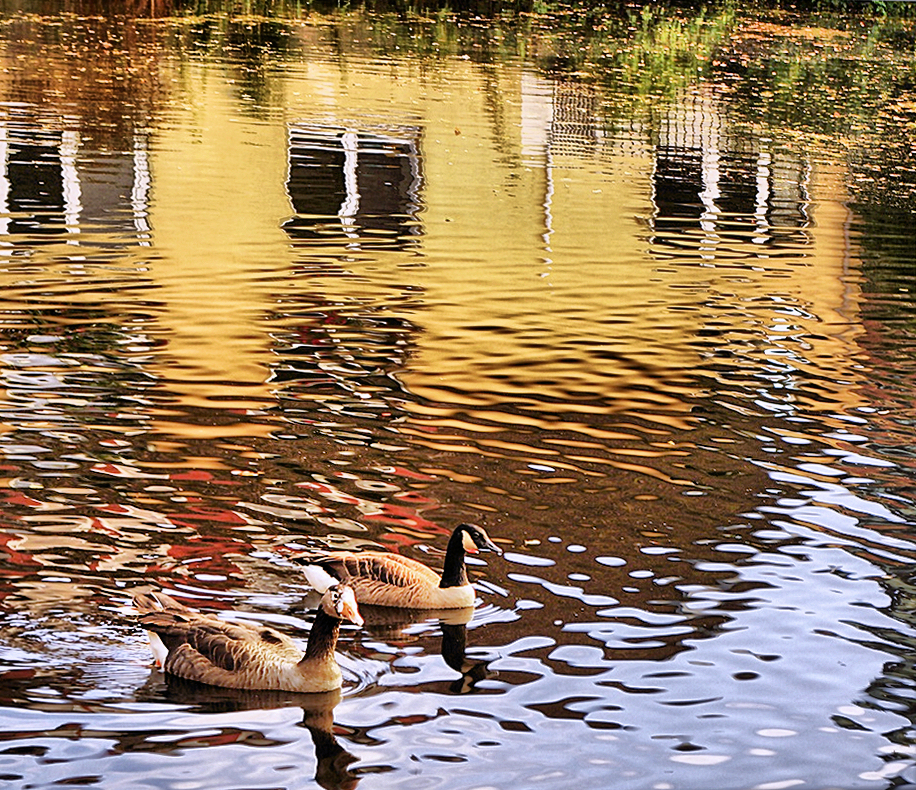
474,538
339,602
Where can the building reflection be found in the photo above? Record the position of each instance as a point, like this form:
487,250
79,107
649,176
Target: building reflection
359,187
354,192
52,185
722,187
74,151
708,182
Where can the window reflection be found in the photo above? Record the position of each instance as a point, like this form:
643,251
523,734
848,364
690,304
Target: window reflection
33,181
712,186
51,186
354,185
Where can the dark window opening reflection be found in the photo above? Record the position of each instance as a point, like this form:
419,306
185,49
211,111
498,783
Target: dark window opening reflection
34,182
730,197
712,187
677,184
362,188
51,185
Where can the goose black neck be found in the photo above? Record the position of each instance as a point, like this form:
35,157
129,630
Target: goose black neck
454,573
323,636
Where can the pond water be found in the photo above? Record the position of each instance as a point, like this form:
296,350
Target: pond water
636,293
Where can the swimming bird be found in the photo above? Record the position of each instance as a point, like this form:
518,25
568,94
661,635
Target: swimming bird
381,578
244,655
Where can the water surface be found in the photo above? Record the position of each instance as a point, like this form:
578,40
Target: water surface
636,296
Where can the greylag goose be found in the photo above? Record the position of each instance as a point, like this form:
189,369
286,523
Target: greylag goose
244,655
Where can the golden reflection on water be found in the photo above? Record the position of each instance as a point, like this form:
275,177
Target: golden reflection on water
536,274
217,200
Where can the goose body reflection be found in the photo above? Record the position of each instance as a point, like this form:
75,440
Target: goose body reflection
332,760
454,653
382,578
398,626
243,655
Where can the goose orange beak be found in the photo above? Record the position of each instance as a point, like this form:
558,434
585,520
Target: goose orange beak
349,609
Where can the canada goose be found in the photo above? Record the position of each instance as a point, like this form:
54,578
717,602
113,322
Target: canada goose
381,578
245,655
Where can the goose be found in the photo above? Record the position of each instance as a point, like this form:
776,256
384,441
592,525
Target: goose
244,655
381,578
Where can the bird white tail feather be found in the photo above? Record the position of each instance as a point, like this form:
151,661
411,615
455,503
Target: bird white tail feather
160,651
318,578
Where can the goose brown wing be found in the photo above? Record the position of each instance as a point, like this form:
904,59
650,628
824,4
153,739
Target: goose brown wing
196,643
383,568
158,601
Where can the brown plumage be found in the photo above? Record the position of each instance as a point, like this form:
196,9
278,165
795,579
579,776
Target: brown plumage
380,578
245,655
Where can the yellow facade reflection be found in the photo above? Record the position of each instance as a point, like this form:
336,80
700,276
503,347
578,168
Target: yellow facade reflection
556,254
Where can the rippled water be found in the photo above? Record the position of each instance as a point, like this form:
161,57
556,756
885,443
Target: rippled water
637,296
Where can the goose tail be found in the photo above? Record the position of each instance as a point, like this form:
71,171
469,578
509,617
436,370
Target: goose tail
149,604
318,578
